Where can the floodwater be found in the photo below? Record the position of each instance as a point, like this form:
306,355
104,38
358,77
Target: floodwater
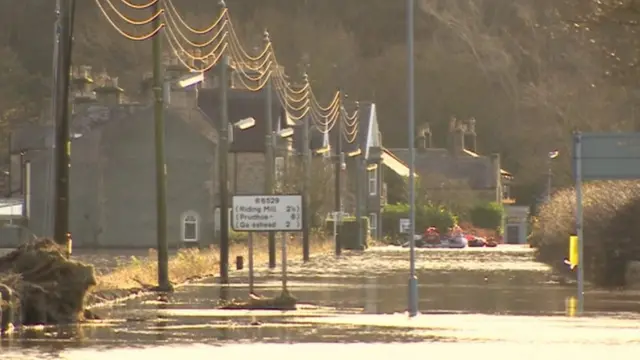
494,303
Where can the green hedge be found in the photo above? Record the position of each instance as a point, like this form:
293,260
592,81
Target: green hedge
487,215
348,232
426,216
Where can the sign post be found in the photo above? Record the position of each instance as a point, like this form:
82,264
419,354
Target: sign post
267,213
250,240
600,156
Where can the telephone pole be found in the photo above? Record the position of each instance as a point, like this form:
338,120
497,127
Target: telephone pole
338,178
161,164
65,10
306,168
269,157
223,159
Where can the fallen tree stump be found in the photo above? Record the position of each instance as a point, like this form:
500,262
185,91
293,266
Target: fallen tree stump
49,288
283,302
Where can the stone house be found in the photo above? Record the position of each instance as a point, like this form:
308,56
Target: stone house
368,141
460,161
112,200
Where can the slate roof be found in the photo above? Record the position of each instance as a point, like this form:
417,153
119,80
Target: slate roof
243,104
477,170
86,118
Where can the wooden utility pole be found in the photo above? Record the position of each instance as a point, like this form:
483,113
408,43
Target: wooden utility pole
65,10
161,164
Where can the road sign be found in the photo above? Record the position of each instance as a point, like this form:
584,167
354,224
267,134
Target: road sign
260,213
610,156
404,226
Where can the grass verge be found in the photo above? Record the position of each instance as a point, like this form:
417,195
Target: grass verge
188,265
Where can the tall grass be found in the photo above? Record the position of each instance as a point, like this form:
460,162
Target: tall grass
188,264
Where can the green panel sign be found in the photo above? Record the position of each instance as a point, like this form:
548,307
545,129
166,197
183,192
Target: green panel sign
610,156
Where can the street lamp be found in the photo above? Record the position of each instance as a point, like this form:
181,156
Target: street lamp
413,280
285,133
191,79
354,153
323,150
552,155
245,123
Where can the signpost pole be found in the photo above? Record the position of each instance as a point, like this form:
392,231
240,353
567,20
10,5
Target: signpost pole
250,263
579,220
262,213
284,262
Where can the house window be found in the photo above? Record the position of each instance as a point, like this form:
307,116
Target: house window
373,181
190,227
373,223
505,192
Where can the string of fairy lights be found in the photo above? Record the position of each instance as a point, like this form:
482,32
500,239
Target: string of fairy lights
201,49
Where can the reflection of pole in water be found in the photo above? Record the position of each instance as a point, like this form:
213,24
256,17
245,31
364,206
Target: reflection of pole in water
570,306
371,295
224,293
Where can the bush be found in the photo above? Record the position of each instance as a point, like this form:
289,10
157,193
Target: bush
487,216
348,232
426,216
610,225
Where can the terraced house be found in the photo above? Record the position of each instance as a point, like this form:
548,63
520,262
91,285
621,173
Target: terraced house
112,197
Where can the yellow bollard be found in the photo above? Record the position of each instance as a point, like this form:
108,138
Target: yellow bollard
570,306
573,251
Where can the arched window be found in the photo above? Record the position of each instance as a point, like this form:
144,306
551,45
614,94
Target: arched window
190,225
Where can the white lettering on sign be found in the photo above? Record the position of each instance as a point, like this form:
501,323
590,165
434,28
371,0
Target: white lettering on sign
267,213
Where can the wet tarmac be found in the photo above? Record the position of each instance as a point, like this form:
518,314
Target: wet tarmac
496,303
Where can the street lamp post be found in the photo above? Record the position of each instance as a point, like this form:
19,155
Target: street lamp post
552,155
413,280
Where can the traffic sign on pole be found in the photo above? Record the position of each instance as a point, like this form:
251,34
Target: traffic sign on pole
263,213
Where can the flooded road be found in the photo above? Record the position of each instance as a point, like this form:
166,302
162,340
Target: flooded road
496,302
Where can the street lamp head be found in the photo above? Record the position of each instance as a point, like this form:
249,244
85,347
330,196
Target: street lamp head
354,153
372,167
245,123
266,37
190,80
286,132
323,150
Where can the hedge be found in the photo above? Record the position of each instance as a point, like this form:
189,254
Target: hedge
487,215
610,225
426,216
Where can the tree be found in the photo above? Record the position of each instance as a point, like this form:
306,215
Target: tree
321,186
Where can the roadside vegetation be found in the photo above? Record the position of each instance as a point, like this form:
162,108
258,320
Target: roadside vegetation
611,213
191,264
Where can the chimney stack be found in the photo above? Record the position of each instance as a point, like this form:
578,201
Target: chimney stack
471,136
81,82
108,92
423,140
456,136
458,140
